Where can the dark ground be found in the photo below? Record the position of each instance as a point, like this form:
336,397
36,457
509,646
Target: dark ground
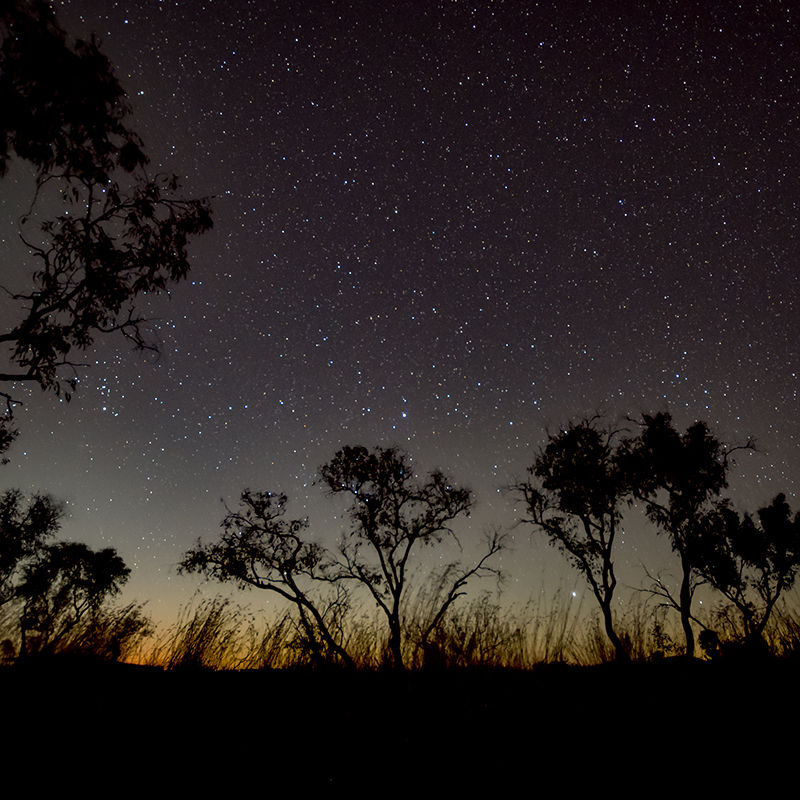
116,725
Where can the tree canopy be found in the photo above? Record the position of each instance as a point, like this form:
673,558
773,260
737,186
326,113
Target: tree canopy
679,478
64,583
393,514
259,548
26,526
575,500
50,586
122,234
751,562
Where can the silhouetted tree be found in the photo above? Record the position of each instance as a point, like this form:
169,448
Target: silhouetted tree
65,583
259,548
7,433
751,563
679,478
393,516
63,108
122,233
575,501
25,528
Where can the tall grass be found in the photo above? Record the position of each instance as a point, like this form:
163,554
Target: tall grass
218,634
646,631
112,634
482,633
783,634
781,637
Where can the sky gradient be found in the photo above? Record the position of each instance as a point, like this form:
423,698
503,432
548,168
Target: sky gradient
450,227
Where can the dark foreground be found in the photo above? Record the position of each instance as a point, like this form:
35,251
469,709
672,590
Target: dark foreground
131,728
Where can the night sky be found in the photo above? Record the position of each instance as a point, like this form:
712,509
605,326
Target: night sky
446,226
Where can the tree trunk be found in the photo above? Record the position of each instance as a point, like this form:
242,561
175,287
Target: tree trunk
395,643
686,607
619,648
316,653
325,633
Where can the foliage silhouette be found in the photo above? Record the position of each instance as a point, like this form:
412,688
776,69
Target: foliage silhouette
110,633
679,477
393,515
751,563
63,107
7,433
576,502
25,528
122,235
65,583
259,548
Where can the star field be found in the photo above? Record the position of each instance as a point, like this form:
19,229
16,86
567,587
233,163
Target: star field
447,226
